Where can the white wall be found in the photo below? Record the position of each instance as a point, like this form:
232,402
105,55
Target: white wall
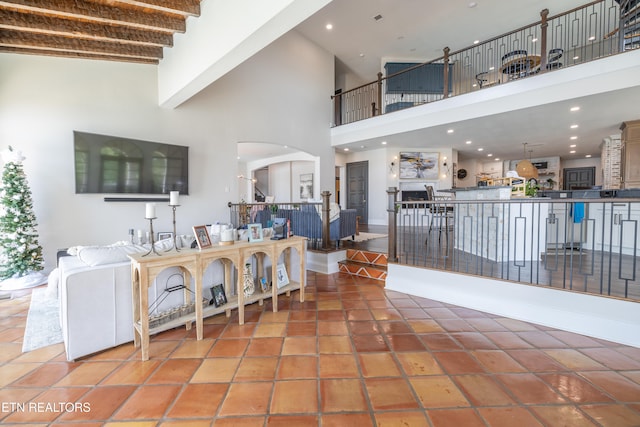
279,95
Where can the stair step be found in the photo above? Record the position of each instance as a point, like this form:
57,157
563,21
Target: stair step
367,257
363,269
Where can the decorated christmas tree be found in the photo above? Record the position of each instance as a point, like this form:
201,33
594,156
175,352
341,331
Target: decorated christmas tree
20,253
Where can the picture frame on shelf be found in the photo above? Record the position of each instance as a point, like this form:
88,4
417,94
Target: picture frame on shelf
279,229
255,232
218,297
202,236
283,277
162,235
264,285
419,165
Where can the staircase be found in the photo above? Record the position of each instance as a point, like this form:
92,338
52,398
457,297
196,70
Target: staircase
365,264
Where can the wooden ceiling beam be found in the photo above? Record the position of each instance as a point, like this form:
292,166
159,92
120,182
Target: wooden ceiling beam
122,14
79,55
18,39
181,7
31,22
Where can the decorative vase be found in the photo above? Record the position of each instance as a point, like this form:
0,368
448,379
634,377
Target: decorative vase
248,286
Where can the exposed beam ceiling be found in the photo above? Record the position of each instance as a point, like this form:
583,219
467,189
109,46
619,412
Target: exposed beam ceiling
118,30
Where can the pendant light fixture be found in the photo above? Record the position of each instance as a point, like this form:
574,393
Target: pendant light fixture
525,168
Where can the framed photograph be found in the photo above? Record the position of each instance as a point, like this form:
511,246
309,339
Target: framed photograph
162,235
279,229
218,296
264,285
202,236
306,186
418,165
255,232
283,277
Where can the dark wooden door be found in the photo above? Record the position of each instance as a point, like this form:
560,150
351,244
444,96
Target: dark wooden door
358,189
579,178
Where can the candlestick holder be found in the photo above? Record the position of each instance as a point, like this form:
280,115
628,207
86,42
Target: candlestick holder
175,235
151,238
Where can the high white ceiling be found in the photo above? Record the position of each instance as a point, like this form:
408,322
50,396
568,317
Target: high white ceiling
418,30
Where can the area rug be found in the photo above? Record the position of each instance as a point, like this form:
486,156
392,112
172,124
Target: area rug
43,321
363,237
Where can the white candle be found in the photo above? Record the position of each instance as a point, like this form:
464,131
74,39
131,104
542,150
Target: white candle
150,211
173,198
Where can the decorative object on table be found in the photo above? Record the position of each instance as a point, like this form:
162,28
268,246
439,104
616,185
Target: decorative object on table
283,277
264,285
248,286
218,296
21,253
174,197
306,186
131,234
202,236
150,214
255,232
279,229
227,235
419,165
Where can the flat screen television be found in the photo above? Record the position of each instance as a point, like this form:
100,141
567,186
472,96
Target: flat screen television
112,164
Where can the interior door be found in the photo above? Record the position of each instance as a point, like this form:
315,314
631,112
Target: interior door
358,189
579,178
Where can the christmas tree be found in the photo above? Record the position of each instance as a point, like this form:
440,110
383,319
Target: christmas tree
20,252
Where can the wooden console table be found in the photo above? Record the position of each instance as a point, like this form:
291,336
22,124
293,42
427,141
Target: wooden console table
193,263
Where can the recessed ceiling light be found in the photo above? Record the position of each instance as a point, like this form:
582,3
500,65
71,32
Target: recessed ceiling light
329,26
592,38
575,109
480,149
576,57
384,142
492,68
588,155
362,146
534,40
573,146
572,152
346,149
362,55
489,155
476,41
574,126
497,159
573,138
286,146
472,4
474,85
468,142
449,130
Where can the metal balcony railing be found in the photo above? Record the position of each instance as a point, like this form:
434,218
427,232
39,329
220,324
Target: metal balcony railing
595,30
584,245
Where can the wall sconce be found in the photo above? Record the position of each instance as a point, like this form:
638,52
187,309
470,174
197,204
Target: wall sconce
392,166
248,179
445,167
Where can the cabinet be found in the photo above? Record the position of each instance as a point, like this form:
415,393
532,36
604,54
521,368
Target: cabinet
630,153
193,263
616,228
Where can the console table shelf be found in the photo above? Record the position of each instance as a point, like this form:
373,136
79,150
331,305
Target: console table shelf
193,263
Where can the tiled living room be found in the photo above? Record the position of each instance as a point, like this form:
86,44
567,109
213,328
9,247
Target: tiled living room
352,354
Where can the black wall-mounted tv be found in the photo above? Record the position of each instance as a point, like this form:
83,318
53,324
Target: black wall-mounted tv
112,164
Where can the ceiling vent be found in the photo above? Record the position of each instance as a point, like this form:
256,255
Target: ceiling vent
377,17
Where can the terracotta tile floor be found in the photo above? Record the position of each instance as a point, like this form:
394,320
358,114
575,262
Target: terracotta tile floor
352,355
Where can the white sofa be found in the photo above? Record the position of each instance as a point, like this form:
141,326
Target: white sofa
95,296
